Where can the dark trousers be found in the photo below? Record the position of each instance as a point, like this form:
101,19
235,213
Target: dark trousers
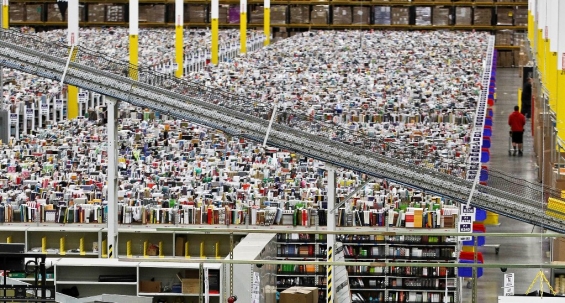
526,109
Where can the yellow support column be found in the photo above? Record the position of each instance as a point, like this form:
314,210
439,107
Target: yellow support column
243,26
179,37
133,38
5,14
72,39
215,31
267,22
560,73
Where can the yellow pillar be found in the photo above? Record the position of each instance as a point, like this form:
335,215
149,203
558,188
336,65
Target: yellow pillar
215,31
243,26
5,14
179,37
133,38
73,36
267,22
561,107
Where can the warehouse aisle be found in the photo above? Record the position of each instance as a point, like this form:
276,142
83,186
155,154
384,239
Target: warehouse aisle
512,250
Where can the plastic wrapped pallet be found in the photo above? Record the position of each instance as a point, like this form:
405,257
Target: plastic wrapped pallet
299,14
34,12
504,37
423,15
400,15
144,13
197,13
463,15
504,16
155,13
361,15
505,1
483,1
382,15
521,16
342,15
115,13
442,15
233,14
279,14
96,12
319,14
17,12
257,15
482,16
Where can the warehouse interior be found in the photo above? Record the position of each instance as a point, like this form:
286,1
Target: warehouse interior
282,151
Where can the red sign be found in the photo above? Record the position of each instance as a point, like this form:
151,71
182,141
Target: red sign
563,61
72,38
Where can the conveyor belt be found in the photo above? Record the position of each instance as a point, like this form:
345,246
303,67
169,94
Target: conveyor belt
94,72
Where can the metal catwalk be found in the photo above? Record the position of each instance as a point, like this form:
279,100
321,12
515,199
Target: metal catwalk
95,72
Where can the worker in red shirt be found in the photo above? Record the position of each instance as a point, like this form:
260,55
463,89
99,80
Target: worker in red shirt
517,121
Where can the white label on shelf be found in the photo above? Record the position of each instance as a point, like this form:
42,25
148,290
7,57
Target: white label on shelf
82,98
508,291
469,211
29,113
13,118
465,226
58,103
44,109
175,66
509,280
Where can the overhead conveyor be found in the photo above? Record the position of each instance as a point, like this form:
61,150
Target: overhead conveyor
184,100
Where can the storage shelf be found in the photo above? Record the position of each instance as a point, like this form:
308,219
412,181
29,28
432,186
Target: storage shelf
172,294
95,283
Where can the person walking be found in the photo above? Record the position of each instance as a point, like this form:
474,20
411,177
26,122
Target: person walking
527,99
517,121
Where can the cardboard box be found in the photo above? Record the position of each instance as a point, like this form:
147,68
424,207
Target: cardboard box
361,15
150,286
382,15
558,249
115,13
300,14
278,14
195,13
191,282
441,15
179,246
17,12
482,16
298,294
463,15
34,12
319,14
342,15
504,16
96,12
400,15
257,15
423,15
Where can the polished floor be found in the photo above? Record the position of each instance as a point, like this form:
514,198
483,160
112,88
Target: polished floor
512,250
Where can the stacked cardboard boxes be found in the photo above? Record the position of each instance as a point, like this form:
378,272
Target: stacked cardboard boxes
257,15
223,12
115,13
504,37
279,14
463,15
152,13
400,15
17,12
423,15
361,15
299,14
442,15
342,15
319,14
482,16
504,16
53,13
34,12
196,13
521,16
96,12
505,59
382,15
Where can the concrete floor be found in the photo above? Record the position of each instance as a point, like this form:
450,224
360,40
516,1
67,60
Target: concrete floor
512,250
